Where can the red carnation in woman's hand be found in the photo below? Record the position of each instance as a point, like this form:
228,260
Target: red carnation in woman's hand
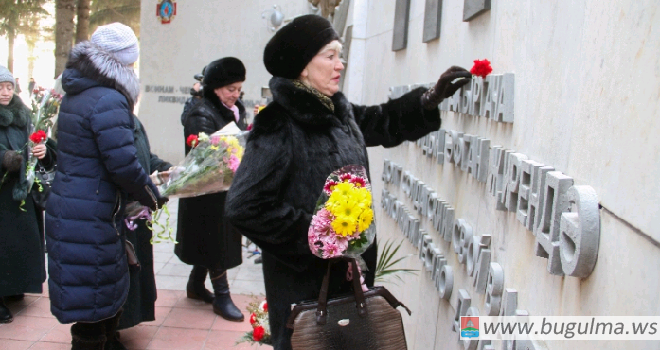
192,141
258,333
481,68
38,136
249,127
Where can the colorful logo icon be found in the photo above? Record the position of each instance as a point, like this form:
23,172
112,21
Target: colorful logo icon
469,327
166,10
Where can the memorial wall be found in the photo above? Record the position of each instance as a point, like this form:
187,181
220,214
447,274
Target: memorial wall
538,195
175,48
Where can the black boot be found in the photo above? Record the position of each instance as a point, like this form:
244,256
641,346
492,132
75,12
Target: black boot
222,304
5,314
111,333
195,288
88,336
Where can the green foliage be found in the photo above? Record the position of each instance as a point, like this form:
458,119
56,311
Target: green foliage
16,16
387,260
19,17
108,11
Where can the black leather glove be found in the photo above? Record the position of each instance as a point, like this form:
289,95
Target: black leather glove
12,161
445,86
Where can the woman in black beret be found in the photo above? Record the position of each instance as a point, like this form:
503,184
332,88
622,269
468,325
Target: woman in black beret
204,240
308,131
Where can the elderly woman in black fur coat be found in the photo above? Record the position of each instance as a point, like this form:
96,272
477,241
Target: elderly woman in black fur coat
204,240
309,131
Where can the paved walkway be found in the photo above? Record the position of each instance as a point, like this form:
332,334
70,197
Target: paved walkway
181,323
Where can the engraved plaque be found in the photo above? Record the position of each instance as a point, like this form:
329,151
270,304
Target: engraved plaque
400,36
432,20
473,8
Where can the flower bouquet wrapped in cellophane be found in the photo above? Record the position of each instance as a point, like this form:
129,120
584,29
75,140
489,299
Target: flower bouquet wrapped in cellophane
45,106
343,221
210,165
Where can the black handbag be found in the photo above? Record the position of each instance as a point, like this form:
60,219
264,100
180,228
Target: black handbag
360,321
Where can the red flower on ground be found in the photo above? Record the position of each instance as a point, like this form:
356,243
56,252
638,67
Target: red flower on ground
258,333
481,68
38,136
253,318
249,127
192,141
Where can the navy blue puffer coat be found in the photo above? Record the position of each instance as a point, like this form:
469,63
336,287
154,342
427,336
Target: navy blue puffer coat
97,169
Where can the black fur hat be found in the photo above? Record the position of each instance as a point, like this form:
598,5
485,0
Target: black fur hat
223,72
294,45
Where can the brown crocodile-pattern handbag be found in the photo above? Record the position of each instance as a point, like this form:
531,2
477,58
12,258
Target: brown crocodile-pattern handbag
361,321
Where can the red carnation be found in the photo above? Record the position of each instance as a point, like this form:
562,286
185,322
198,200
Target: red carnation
253,318
266,307
481,68
358,181
249,127
258,333
192,141
344,177
38,136
329,186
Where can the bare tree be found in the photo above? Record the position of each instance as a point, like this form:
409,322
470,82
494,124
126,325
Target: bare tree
82,26
64,13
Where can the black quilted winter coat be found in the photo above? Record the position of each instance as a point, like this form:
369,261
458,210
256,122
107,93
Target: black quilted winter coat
97,169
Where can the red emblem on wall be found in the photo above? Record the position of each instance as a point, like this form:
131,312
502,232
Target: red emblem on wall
166,10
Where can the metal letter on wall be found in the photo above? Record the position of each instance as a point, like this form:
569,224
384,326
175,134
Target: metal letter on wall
401,15
547,234
580,232
473,8
432,20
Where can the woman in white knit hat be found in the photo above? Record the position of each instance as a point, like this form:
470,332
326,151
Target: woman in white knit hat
88,272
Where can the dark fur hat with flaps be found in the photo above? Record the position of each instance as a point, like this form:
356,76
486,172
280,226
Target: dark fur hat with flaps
222,72
294,45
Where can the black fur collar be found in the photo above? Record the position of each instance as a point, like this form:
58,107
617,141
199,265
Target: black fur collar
307,108
15,113
99,65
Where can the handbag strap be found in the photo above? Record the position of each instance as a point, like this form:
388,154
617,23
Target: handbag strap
360,302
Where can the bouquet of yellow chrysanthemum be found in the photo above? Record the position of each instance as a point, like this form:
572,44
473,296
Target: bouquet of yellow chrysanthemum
343,222
210,165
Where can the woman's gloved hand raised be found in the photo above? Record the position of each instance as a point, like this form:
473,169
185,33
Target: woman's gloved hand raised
450,81
12,161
